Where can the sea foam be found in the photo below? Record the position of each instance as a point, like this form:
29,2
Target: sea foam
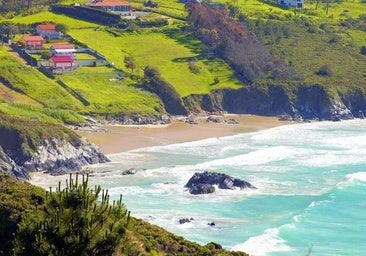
263,244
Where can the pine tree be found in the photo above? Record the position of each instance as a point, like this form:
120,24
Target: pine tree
74,220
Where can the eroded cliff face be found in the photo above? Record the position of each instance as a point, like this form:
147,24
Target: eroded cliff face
306,102
55,156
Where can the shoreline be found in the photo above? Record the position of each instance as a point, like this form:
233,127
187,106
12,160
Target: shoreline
116,138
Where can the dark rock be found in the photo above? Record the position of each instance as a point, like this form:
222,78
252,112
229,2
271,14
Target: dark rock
185,220
232,121
197,189
211,224
131,171
214,119
191,120
55,156
360,114
202,183
8,166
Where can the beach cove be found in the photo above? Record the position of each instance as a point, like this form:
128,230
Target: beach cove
120,138
310,177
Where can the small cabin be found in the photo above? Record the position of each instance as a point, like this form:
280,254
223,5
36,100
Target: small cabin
33,42
48,31
62,63
114,6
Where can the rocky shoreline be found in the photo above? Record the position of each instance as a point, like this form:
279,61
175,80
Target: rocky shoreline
55,156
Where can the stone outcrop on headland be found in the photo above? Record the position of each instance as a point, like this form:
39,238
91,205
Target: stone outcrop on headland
55,156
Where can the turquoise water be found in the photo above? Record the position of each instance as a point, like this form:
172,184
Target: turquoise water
311,195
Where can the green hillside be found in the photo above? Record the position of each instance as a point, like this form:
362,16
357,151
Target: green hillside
320,43
23,206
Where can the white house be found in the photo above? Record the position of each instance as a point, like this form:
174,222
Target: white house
292,3
62,50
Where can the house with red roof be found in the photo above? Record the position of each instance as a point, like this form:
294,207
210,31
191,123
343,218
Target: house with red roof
63,50
114,6
48,31
33,42
62,63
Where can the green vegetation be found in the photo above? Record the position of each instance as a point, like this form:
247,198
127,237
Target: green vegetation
72,221
173,62
22,135
107,95
34,84
16,200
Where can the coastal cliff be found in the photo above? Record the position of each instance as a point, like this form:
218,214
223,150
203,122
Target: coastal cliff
306,102
29,146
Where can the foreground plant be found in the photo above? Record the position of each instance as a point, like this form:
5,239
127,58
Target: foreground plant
73,221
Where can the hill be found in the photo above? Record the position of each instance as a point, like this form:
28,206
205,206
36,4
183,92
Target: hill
19,201
301,74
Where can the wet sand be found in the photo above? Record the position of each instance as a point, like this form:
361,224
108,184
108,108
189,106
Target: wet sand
119,138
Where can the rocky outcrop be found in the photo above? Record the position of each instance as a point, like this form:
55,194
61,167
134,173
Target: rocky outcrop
304,102
55,156
314,102
203,183
8,166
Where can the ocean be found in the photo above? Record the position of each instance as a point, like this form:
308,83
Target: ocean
311,196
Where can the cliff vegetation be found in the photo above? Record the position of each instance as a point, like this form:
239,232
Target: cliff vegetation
77,220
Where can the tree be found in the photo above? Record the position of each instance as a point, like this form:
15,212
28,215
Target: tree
130,63
363,50
62,28
324,70
73,222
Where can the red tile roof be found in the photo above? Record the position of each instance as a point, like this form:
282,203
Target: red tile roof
47,26
62,59
63,46
32,38
106,4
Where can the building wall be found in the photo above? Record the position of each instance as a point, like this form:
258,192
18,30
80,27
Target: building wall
48,33
62,65
34,45
292,3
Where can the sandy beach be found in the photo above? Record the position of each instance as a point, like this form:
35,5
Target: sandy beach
119,138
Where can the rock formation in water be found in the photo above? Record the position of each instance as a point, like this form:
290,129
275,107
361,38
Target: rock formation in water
203,183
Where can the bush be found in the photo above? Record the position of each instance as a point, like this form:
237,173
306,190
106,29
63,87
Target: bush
324,70
73,222
216,80
363,50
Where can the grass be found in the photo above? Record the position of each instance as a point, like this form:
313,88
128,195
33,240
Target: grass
57,18
171,51
34,84
146,47
37,113
110,97
173,61
10,96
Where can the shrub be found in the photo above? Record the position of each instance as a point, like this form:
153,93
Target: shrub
216,80
324,70
73,222
363,50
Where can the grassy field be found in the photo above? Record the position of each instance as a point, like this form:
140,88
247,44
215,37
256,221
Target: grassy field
170,55
174,53
51,17
10,96
93,84
34,84
107,94
146,49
